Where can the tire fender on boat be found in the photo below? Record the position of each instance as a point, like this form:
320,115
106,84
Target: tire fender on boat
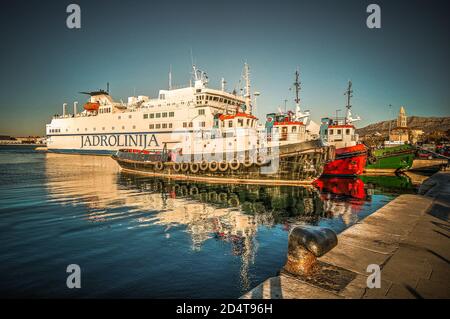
203,165
176,167
247,163
194,168
159,166
223,166
234,164
260,160
184,167
213,166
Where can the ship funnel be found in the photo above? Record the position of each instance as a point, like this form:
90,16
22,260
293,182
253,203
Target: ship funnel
64,109
75,108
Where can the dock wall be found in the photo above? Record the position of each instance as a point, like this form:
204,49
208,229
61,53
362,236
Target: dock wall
408,239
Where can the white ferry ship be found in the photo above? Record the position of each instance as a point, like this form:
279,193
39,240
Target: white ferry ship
105,126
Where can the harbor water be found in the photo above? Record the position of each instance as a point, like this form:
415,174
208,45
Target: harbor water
136,236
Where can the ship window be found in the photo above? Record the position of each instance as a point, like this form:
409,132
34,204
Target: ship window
190,124
152,115
94,129
164,125
151,126
129,116
85,128
158,125
67,130
230,123
294,129
347,131
216,98
198,90
184,124
158,115
221,100
134,126
123,127
339,132
170,125
202,124
164,114
145,116
162,96
248,122
201,112
172,114
240,122
120,117
103,128
331,132
78,129
112,128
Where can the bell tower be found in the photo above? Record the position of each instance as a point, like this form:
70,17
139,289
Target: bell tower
402,119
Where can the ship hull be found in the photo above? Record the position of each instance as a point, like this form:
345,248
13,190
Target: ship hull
350,161
299,163
397,158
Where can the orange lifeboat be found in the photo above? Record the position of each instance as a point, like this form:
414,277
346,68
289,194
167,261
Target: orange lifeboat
91,106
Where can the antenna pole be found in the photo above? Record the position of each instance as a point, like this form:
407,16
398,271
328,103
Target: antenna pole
170,77
247,88
297,92
349,93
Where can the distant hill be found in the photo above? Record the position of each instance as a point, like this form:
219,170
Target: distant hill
427,124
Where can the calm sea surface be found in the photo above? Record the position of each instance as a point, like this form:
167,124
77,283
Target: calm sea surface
137,236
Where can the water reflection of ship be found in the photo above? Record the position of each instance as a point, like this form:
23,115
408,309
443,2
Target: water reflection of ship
343,197
393,184
230,213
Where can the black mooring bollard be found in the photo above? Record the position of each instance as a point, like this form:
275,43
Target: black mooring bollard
306,243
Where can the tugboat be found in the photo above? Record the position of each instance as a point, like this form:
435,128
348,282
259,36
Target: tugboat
351,155
234,149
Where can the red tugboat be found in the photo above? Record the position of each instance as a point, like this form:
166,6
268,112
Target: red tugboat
351,156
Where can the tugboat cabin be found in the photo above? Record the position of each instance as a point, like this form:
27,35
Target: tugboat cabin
338,133
288,128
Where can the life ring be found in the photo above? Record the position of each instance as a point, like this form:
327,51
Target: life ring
260,160
213,166
223,166
184,167
234,164
247,162
176,167
159,166
203,165
194,168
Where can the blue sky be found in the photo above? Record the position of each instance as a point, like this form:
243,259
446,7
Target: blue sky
131,44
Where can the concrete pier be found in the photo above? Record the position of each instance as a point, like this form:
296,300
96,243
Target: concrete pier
408,239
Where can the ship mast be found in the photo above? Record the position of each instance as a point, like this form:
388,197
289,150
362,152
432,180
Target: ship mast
349,93
297,93
247,88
